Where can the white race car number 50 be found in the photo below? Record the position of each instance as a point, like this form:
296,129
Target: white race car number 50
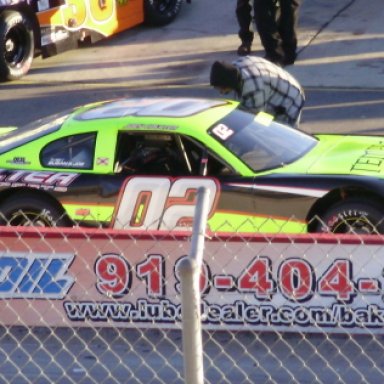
151,203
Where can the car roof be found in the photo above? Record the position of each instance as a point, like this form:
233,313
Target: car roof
170,107
161,114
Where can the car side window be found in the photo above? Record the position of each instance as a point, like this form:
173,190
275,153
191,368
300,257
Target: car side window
203,162
165,154
149,154
75,152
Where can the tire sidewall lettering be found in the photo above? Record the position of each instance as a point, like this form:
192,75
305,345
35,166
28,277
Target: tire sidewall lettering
342,217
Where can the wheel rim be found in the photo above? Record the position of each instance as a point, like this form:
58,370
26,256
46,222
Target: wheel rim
27,218
16,45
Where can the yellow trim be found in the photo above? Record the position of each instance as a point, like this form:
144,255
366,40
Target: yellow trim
226,222
96,212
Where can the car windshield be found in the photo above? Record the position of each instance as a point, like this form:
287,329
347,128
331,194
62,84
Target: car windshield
14,138
259,142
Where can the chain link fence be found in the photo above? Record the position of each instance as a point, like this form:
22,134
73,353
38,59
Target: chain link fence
101,306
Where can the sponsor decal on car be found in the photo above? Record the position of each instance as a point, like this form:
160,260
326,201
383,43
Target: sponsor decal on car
18,161
61,163
222,131
58,181
153,126
102,161
371,161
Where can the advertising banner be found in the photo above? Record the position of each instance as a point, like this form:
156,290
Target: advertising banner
77,277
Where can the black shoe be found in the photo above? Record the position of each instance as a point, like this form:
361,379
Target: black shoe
244,49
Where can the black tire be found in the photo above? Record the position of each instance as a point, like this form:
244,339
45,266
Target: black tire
161,12
32,211
353,216
17,45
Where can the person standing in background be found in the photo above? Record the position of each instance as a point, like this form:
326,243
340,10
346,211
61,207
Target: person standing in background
276,22
244,15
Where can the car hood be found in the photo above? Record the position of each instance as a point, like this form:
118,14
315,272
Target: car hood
345,155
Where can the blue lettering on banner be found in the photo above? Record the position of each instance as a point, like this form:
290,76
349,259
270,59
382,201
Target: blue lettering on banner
35,276
239,313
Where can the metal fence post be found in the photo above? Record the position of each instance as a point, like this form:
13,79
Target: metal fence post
189,271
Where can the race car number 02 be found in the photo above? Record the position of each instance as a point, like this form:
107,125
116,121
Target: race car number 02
295,280
161,203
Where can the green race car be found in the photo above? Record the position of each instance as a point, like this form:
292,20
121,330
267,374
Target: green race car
137,163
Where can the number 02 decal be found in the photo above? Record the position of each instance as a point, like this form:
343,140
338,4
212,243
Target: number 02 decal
152,203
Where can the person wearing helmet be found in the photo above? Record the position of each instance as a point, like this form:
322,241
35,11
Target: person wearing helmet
152,156
260,86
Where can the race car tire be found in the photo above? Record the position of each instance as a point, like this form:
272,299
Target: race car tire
161,12
32,211
353,216
17,45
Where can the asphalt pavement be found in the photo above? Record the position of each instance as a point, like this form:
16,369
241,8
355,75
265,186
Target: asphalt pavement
347,48
340,45
340,42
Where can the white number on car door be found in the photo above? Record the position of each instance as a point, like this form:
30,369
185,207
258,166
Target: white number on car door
161,203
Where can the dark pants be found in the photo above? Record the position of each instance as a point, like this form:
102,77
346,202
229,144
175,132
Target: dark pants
244,19
276,22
